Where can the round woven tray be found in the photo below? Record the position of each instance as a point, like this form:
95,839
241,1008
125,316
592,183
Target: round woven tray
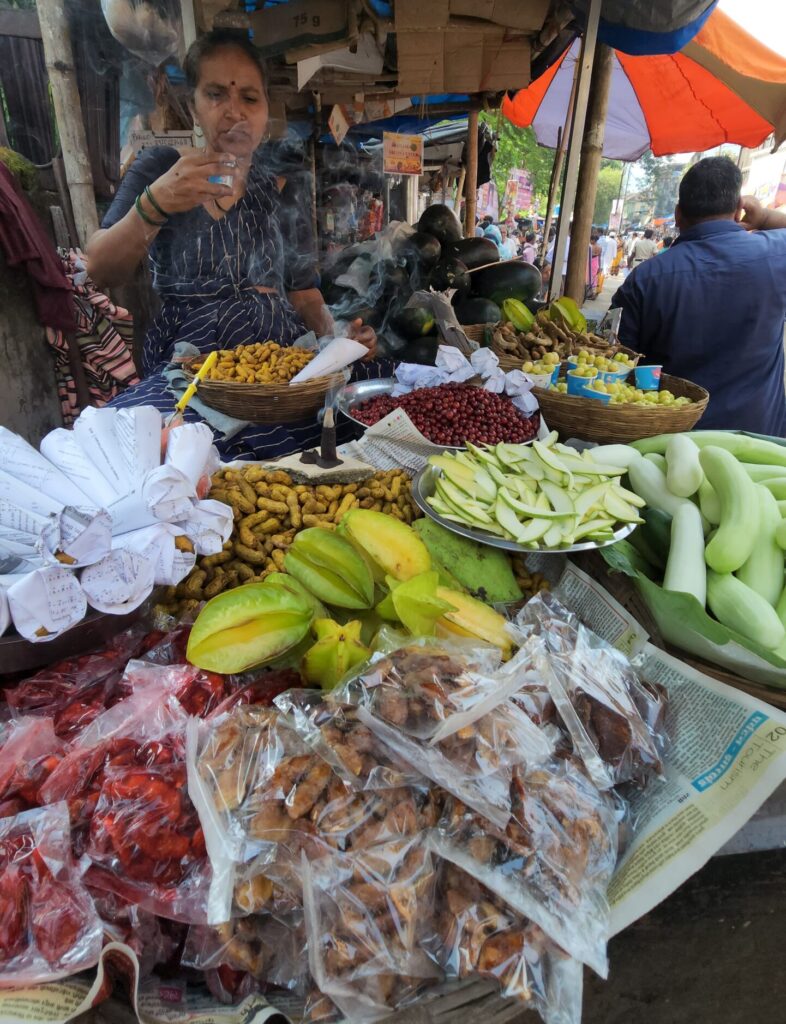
269,403
587,419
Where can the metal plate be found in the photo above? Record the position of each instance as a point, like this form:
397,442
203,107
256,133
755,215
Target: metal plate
354,394
424,485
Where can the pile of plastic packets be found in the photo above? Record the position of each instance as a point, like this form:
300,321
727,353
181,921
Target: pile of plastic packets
440,815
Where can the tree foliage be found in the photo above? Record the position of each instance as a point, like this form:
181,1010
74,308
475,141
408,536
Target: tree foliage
518,147
609,179
661,183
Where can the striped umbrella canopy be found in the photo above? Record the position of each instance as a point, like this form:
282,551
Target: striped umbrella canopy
722,86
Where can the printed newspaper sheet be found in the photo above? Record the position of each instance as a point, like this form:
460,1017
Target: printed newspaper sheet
727,755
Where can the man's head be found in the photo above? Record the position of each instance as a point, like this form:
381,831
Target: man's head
488,219
710,190
649,233
530,237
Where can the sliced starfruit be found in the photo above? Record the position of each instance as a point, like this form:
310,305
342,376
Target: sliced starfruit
475,619
392,545
331,569
246,627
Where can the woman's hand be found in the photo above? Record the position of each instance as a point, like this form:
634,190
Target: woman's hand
186,186
366,335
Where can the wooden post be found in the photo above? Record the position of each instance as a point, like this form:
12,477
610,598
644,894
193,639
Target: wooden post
559,157
471,180
56,37
586,58
587,187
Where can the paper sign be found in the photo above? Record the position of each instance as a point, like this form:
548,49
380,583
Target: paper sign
402,154
338,124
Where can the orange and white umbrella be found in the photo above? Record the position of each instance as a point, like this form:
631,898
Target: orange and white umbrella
722,86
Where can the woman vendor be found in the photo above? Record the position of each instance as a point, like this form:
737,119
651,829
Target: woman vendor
231,251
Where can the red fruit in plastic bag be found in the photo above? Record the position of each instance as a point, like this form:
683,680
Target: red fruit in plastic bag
13,912
57,918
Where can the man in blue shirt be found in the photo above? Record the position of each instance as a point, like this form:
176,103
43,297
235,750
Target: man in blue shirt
712,308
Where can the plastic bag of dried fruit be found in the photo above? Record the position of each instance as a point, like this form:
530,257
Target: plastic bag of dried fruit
255,783
553,861
477,933
599,697
269,947
49,927
437,710
366,914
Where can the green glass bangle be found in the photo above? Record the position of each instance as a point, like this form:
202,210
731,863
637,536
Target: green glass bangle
154,204
144,216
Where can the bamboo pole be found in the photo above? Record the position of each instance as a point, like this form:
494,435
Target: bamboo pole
587,187
559,158
586,58
471,180
58,53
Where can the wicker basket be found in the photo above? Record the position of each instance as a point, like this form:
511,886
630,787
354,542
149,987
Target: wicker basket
269,403
479,333
591,420
509,362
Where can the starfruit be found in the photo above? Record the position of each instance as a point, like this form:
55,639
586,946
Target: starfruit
391,545
338,650
472,618
415,603
330,568
283,579
516,313
246,627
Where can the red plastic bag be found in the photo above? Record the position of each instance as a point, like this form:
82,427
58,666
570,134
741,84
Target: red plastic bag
49,927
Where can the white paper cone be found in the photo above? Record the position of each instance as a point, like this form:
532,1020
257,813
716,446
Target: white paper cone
22,461
82,534
138,433
337,354
95,432
118,583
63,450
189,449
48,599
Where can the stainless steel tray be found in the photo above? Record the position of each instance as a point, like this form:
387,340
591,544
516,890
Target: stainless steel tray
424,485
354,394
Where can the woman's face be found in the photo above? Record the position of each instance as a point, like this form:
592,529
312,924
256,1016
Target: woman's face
230,102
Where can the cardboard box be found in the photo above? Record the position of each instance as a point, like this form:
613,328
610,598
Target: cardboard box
521,15
462,60
299,23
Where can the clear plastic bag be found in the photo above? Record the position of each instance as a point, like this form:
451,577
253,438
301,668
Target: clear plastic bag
50,927
592,685
365,916
30,752
76,690
146,843
431,708
476,933
553,861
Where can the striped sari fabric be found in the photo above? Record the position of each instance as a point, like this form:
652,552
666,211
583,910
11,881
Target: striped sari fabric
104,335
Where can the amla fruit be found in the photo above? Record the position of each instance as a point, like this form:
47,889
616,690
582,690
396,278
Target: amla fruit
391,545
338,650
330,568
248,626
